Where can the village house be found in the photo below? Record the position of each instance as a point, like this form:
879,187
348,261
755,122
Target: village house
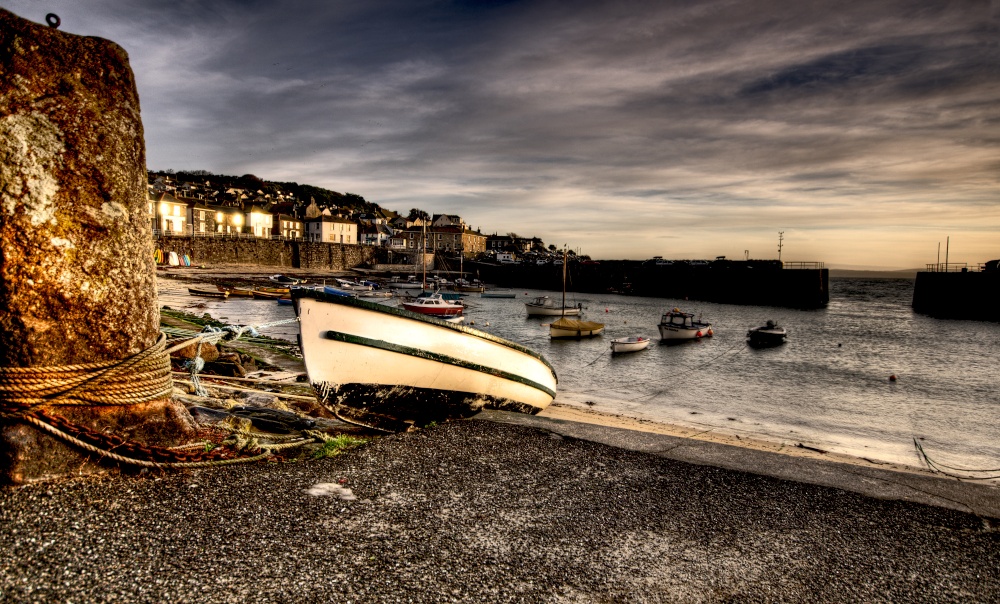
287,226
447,220
332,229
449,240
167,213
259,221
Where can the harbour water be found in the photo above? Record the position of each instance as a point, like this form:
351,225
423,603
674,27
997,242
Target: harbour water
828,387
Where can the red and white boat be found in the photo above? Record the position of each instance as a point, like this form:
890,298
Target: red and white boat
434,305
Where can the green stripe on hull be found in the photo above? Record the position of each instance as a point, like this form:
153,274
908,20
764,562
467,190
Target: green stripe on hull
338,336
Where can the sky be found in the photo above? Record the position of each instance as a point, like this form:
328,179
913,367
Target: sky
866,132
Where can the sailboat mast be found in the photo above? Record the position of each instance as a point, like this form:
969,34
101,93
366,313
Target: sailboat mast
564,284
423,255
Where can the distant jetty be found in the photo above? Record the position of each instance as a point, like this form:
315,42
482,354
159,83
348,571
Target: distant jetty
757,282
958,291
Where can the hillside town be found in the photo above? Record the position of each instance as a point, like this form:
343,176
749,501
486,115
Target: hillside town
211,206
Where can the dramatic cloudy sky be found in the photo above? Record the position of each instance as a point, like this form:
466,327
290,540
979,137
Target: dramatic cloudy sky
867,131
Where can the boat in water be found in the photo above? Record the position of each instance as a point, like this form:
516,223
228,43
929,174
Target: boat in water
769,334
543,306
678,325
434,305
629,344
564,328
497,293
388,368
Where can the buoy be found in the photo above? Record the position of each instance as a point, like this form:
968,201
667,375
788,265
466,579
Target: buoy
472,322
605,310
892,378
487,324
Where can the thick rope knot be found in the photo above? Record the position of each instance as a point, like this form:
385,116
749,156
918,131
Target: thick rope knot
140,378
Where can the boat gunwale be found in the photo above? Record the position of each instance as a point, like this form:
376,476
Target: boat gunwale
429,319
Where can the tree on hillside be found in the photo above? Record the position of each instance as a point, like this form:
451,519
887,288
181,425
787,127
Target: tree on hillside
416,213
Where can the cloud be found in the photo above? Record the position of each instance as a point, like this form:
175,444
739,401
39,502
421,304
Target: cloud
653,123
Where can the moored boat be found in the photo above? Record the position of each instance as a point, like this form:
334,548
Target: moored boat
678,325
629,344
285,280
543,306
208,293
769,334
497,293
353,286
235,292
434,305
566,329
260,294
389,368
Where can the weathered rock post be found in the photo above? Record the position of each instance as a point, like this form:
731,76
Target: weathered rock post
77,278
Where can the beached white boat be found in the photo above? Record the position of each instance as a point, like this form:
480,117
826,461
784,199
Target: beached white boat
543,306
769,334
386,367
677,325
629,344
434,305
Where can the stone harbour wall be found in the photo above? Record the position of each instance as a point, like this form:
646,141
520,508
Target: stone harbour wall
278,253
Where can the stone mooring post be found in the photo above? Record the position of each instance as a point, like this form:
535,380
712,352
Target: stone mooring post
77,277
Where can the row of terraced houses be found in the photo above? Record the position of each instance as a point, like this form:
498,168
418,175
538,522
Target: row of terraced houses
194,210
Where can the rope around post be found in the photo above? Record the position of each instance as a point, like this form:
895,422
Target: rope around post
140,378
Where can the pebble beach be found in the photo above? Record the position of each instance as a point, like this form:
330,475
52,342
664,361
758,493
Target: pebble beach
487,510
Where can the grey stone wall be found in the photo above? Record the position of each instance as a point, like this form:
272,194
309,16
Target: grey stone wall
277,253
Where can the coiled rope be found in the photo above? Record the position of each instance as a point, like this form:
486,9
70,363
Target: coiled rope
140,378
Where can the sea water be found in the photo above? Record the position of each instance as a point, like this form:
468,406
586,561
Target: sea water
827,387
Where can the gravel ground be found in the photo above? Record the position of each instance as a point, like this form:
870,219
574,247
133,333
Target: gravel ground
483,512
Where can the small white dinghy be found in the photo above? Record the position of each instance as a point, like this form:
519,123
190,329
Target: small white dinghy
629,344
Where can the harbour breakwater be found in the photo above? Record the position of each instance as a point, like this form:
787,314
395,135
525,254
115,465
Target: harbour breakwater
757,282
959,295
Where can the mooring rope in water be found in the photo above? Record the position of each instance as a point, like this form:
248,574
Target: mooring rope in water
936,466
741,345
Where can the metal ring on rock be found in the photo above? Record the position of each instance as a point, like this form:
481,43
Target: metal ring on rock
53,20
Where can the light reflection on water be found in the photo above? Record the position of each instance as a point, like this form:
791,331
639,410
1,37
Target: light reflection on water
827,387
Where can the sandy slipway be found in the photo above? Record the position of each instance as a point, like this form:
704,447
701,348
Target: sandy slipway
484,511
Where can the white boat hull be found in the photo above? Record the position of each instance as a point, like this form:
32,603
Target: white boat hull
671,332
551,311
635,344
389,368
